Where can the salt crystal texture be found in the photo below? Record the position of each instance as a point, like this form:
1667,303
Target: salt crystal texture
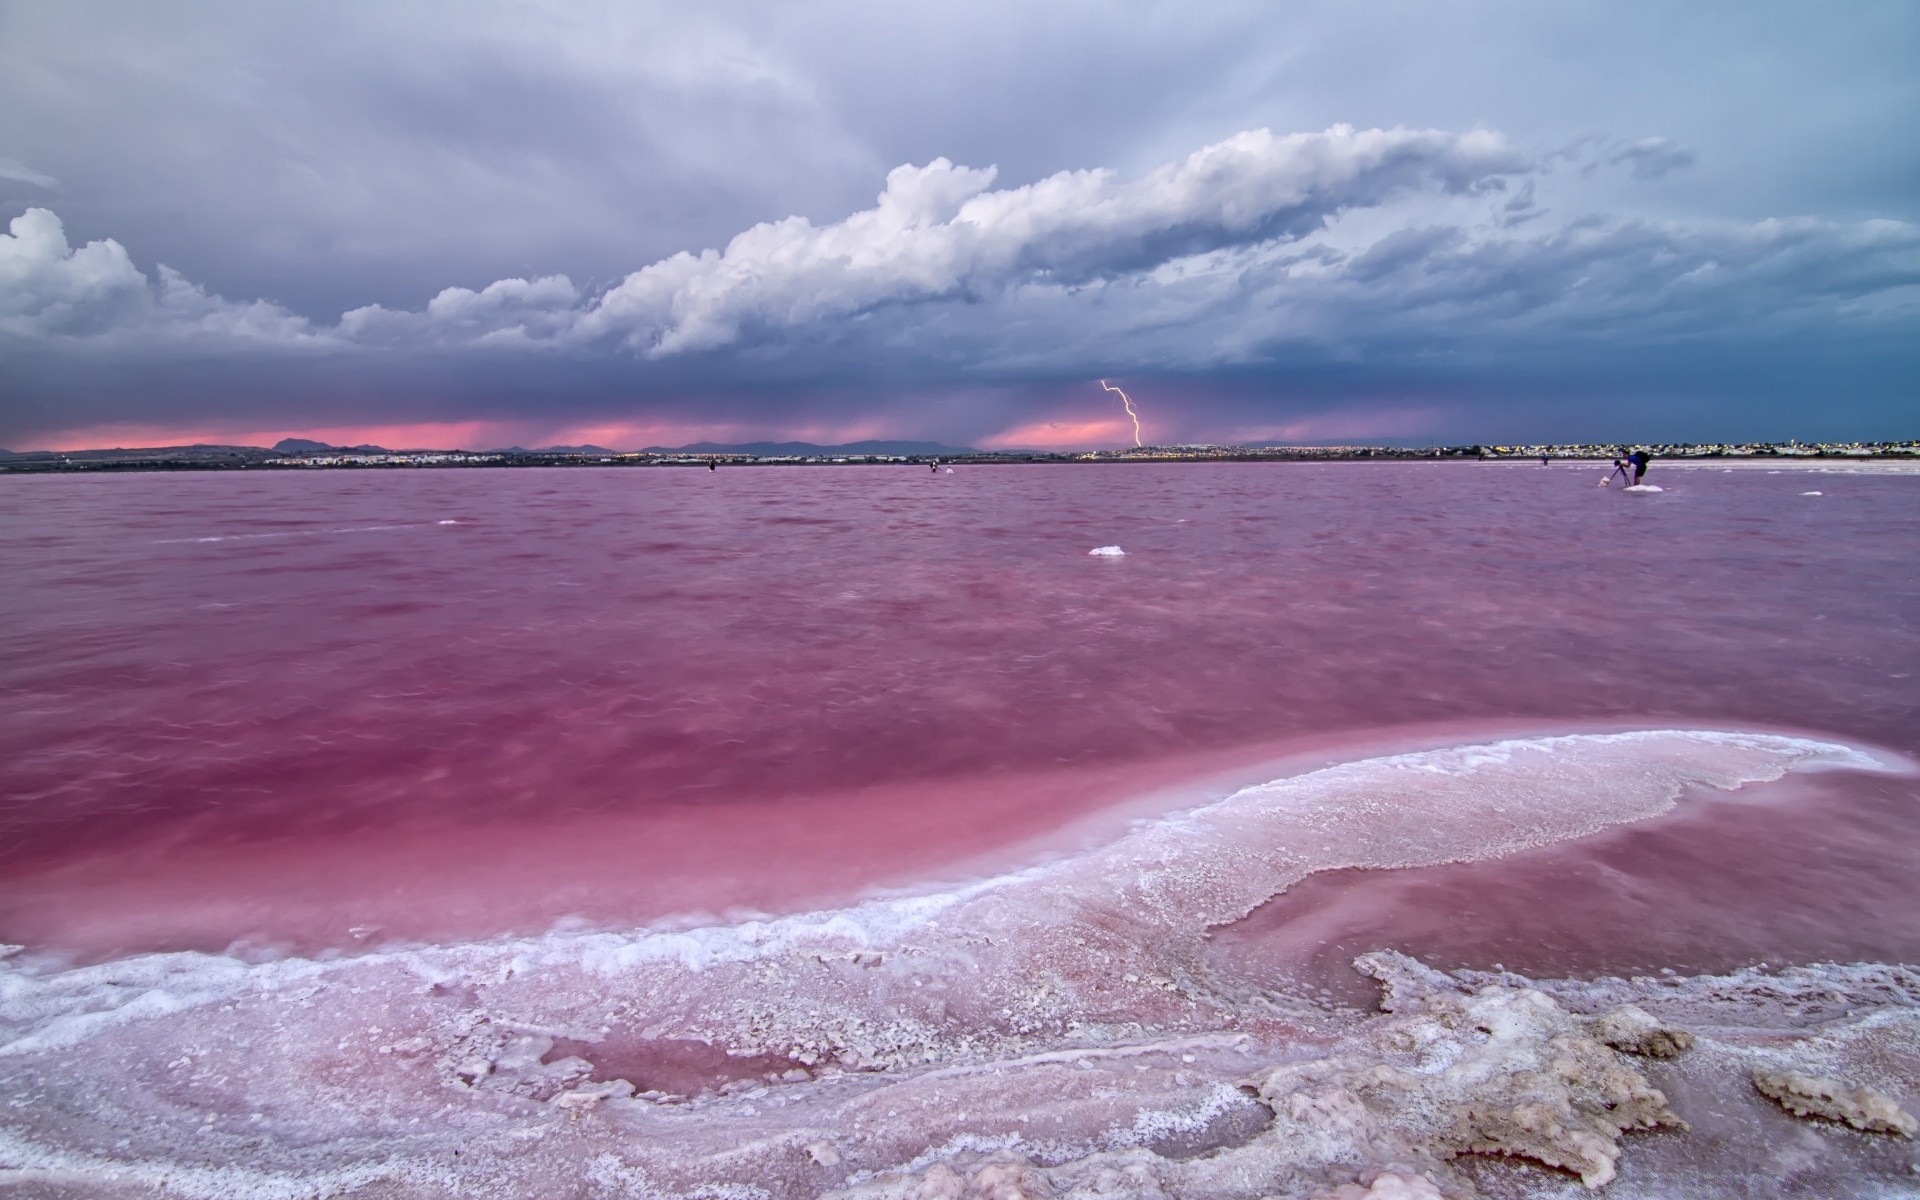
1387,1185
1814,1096
1636,1031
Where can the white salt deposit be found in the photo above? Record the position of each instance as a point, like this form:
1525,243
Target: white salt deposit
1645,488
1107,552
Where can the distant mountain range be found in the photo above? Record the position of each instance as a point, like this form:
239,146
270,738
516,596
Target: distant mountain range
811,450
198,452
554,450
306,446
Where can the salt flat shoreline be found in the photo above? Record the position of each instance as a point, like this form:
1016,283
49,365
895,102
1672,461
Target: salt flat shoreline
1060,1031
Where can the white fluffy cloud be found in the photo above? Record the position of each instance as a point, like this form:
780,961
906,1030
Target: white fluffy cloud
942,231
47,286
52,290
507,312
939,231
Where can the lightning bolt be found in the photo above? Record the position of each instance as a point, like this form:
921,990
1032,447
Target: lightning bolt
1128,401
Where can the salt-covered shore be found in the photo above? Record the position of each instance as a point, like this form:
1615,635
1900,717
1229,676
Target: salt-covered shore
1835,466
1060,1030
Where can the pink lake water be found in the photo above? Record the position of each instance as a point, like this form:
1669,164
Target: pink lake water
789,831
345,708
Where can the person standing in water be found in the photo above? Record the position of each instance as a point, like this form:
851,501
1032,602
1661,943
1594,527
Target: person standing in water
1639,459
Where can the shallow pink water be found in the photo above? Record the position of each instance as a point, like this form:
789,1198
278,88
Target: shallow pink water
316,709
1821,869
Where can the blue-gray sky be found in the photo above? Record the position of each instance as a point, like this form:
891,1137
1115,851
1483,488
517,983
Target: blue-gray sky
482,223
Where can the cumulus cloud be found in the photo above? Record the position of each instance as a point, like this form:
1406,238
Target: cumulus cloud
507,312
940,231
943,232
52,290
48,287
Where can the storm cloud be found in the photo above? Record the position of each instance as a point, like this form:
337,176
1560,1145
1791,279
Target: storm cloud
1538,277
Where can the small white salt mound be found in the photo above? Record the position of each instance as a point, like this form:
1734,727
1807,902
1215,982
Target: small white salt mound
1107,552
1636,1031
823,1154
1810,493
449,522
1817,1096
1388,1185
1523,1079
1646,487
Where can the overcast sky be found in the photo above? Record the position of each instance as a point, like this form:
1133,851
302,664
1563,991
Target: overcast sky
491,223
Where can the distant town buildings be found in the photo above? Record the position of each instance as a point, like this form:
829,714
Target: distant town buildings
1486,453
410,458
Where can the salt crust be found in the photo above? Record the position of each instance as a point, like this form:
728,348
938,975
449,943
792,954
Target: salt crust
1058,1024
1815,1096
1387,1185
1453,1066
1636,1031
1458,1069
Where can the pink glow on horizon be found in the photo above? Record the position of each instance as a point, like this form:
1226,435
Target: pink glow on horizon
432,434
467,435
1064,434
1079,428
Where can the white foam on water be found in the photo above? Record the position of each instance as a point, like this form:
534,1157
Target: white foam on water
1059,1010
294,533
1107,552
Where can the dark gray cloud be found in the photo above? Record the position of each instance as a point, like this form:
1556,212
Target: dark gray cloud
1652,158
487,212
